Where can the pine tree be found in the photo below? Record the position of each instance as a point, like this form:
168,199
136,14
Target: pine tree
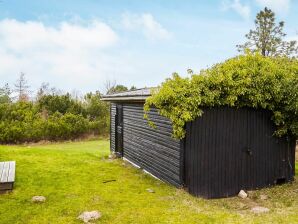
133,88
22,88
268,37
5,94
43,90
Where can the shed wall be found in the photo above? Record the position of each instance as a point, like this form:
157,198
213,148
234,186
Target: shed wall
228,149
112,127
152,149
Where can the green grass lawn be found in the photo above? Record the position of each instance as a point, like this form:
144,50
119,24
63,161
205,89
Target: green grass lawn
71,176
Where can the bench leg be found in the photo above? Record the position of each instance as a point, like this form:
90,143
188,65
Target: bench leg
6,186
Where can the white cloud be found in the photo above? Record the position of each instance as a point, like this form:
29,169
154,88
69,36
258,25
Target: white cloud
279,6
242,9
20,36
146,24
68,56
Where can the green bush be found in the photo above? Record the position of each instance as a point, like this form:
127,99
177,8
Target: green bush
59,103
249,80
67,126
53,118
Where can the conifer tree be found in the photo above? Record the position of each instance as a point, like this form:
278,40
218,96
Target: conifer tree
22,88
268,37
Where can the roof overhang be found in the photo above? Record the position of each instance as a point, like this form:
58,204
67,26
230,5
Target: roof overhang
127,99
139,95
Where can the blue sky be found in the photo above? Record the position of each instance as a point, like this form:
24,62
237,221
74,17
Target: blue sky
78,45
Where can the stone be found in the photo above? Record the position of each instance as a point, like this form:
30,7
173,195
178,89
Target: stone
86,217
150,190
259,210
38,199
263,197
242,194
112,156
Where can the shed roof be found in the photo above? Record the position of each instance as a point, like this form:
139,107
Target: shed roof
132,95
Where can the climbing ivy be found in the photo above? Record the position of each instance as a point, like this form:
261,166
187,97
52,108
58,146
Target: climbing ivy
249,80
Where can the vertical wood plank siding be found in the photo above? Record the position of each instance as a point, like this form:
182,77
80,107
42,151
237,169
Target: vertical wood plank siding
112,128
228,149
152,149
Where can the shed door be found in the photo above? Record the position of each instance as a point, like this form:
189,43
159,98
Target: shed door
227,150
268,162
119,129
216,147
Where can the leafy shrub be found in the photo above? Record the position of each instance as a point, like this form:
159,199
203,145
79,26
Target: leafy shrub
53,118
59,103
249,80
67,126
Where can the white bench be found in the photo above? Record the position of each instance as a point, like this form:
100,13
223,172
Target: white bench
7,175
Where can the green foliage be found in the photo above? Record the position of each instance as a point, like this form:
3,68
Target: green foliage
267,38
97,112
133,88
53,117
59,103
67,126
5,94
95,107
117,89
245,81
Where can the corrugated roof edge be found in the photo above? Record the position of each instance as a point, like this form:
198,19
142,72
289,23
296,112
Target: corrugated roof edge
132,95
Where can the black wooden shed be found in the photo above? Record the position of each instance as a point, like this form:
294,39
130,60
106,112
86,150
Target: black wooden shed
224,151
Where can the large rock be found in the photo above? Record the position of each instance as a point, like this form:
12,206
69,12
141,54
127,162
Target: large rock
86,217
38,199
259,209
242,194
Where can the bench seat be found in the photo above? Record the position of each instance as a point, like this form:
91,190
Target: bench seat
7,175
